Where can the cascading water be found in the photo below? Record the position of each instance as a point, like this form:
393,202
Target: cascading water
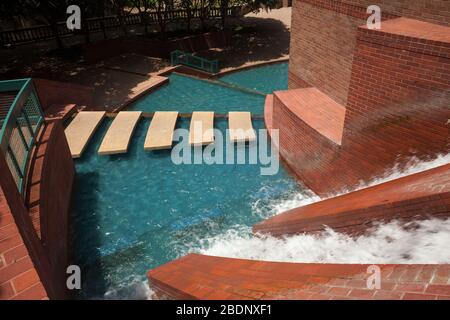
416,242
422,242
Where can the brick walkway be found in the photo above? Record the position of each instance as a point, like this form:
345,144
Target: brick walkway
18,277
205,277
316,109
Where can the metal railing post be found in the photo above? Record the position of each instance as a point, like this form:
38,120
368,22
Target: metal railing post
190,60
24,111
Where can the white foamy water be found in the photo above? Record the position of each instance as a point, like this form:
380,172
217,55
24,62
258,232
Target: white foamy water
423,242
135,289
413,243
414,165
427,242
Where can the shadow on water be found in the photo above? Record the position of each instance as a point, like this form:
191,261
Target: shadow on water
84,253
136,211
85,236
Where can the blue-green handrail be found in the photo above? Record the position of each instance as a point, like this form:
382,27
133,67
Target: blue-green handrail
188,59
20,127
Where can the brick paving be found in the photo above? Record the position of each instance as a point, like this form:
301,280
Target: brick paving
18,276
205,277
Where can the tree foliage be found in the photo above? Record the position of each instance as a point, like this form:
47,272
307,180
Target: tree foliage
54,11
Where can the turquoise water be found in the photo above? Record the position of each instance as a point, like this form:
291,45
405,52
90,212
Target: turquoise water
136,211
186,94
266,79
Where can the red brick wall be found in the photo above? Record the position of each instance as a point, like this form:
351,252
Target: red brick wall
398,103
434,11
321,49
295,82
53,169
323,37
306,151
394,83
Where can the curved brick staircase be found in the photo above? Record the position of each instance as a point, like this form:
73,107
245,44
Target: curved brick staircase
418,196
215,278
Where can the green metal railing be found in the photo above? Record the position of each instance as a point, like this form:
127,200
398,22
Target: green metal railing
19,125
188,59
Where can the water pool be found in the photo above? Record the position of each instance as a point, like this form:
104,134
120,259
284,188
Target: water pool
136,211
265,79
234,92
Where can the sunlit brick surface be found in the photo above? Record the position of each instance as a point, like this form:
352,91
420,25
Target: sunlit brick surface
205,277
18,277
418,196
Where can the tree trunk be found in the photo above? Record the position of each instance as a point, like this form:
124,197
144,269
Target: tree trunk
202,22
51,16
102,24
54,27
188,19
143,15
161,23
145,24
223,13
85,26
121,21
203,17
203,14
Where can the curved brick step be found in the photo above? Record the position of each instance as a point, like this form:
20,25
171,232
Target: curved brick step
205,277
60,111
310,127
315,109
411,35
418,196
268,111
